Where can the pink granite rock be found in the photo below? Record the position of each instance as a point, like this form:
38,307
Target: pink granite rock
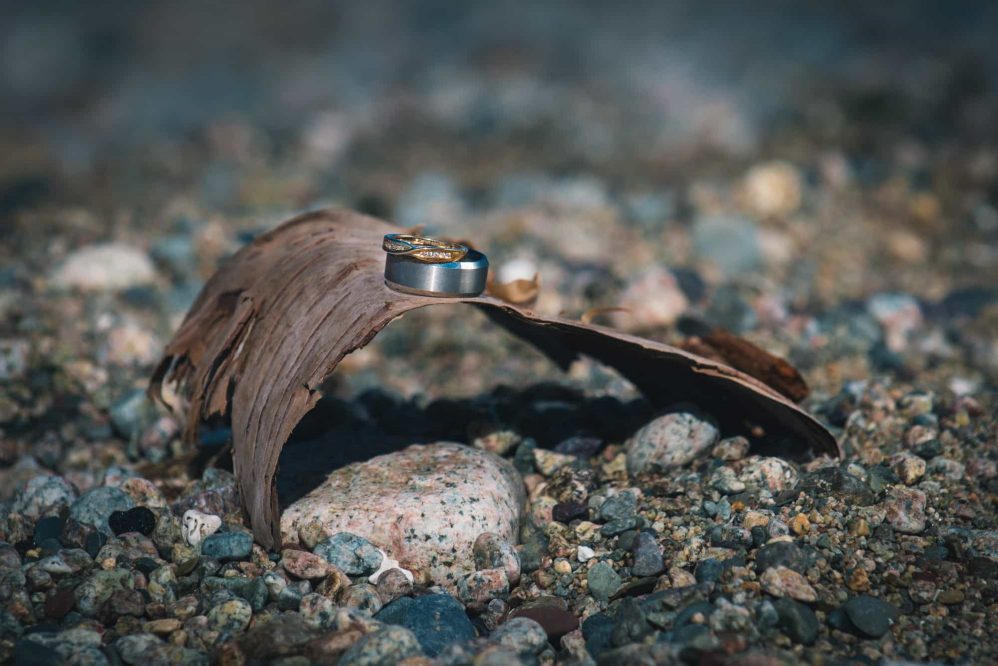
424,506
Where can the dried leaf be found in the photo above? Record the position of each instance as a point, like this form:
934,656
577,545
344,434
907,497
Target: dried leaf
274,322
517,292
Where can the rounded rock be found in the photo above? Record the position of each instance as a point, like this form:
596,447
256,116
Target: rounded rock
669,441
492,552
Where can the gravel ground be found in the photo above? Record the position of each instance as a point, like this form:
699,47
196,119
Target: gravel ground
823,182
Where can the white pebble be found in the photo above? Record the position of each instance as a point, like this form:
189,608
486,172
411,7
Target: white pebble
197,525
585,553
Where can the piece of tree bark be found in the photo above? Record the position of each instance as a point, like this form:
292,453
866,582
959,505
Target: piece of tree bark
275,320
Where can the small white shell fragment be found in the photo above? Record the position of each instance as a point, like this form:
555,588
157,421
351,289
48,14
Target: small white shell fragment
386,564
197,525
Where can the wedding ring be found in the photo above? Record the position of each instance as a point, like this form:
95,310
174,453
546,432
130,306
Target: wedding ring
429,250
465,277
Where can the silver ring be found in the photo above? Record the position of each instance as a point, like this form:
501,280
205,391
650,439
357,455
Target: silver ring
454,278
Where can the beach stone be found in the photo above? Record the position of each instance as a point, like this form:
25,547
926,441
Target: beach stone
104,267
478,588
783,554
283,635
362,597
27,652
555,619
303,564
909,467
767,476
647,556
492,552
797,621
425,505
772,189
836,482
728,241
905,510
549,462
43,495
652,299
524,635
137,519
437,620
230,617
869,615
669,441
317,611
385,646
98,588
227,546
147,650
353,555
95,506
731,449
785,582
603,581
392,584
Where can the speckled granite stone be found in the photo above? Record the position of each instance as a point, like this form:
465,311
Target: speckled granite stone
424,505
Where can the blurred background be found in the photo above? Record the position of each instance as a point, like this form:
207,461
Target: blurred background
819,177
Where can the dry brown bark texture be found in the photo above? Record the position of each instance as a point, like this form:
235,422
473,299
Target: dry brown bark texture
275,320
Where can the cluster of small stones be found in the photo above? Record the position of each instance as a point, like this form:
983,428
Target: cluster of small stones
721,552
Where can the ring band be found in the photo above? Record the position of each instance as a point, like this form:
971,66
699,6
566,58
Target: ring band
429,250
466,277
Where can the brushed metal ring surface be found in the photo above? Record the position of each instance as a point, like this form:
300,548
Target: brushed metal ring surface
455,278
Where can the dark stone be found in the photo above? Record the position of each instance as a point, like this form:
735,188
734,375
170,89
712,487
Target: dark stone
437,620
615,527
630,624
533,550
566,512
30,653
283,636
647,556
523,459
48,528
597,629
94,542
580,446
227,546
871,616
146,565
59,603
139,519
759,536
708,570
786,554
626,539
623,506
797,621
729,536
556,621
834,481
929,449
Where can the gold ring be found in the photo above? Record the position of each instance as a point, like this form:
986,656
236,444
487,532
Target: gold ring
427,250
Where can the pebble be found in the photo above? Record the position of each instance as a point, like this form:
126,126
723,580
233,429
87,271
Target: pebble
784,582
104,267
652,299
230,617
797,621
669,441
394,583
772,189
909,468
549,462
731,449
196,526
768,477
227,546
726,480
137,519
647,554
905,510
603,581
388,564
869,615
556,620
437,620
283,635
523,634
584,553
303,564
477,588
425,505
353,555
389,645
730,243
95,506
492,552
43,495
